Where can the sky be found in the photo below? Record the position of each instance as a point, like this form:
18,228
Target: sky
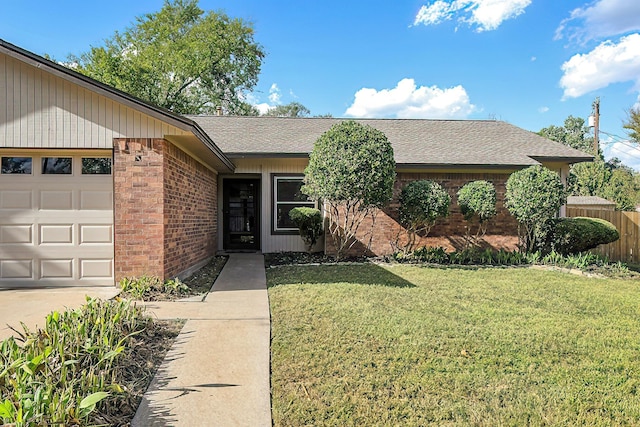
531,63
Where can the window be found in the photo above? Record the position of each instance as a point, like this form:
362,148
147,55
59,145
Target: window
286,196
96,166
16,165
56,165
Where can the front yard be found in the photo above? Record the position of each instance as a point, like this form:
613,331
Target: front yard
406,345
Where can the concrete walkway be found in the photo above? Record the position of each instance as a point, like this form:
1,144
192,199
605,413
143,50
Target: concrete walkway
217,372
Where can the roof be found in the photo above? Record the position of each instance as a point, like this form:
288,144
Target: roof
588,200
416,142
222,162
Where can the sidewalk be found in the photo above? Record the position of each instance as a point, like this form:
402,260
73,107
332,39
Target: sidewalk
217,372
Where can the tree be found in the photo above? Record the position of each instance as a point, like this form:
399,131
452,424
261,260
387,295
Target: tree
633,123
477,201
352,169
309,223
574,133
421,204
181,59
294,109
534,195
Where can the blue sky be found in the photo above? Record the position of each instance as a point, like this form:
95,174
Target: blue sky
531,63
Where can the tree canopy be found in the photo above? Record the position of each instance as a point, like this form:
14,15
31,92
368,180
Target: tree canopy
633,124
293,109
181,59
574,133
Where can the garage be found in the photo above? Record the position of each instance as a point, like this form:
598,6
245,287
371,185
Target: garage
56,218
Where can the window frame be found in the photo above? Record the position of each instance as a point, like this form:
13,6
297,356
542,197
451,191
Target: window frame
275,178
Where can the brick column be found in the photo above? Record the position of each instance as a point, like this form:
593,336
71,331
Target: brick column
139,207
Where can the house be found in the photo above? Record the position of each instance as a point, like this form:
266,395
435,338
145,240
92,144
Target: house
590,202
96,185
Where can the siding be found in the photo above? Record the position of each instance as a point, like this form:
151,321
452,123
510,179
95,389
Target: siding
40,110
263,168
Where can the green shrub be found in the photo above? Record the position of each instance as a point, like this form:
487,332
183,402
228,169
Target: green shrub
574,235
352,169
477,201
534,195
309,222
140,288
421,204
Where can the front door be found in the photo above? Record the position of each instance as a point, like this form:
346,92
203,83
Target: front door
241,219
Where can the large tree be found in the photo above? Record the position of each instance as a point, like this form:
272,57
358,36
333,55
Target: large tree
352,169
182,59
611,179
574,133
633,123
293,109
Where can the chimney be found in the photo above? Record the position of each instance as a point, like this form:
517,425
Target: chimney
218,110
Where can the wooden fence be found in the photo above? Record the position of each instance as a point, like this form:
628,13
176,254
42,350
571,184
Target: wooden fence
627,248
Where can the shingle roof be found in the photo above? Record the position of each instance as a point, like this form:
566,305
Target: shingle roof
588,200
415,142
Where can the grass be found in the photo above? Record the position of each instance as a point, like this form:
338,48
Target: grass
413,346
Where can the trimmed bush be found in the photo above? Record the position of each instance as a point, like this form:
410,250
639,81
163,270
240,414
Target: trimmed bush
421,204
534,195
477,201
574,235
309,222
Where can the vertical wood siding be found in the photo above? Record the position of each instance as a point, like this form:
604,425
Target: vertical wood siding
265,167
40,110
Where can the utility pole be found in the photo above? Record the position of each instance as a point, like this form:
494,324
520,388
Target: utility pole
596,127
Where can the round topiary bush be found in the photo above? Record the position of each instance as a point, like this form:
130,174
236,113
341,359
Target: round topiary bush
573,235
421,204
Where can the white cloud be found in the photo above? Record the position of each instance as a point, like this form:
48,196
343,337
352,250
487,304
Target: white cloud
607,63
543,110
407,101
274,94
486,15
601,18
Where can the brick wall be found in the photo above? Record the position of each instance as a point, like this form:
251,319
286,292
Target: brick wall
449,232
190,211
165,217
138,207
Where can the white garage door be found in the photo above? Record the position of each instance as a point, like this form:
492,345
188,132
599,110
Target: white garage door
56,219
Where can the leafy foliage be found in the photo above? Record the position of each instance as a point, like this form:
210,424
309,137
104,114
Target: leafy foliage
633,123
180,58
421,204
59,375
569,236
352,169
293,109
534,195
574,133
309,222
477,201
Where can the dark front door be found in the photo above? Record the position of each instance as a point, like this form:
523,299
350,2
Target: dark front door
241,219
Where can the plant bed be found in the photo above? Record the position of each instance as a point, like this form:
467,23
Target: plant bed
147,288
292,258
89,366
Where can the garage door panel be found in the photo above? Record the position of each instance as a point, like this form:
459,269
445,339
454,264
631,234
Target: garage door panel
96,200
56,268
58,200
16,269
13,234
96,233
16,199
56,234
96,268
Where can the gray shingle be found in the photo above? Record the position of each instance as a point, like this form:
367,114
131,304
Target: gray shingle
415,142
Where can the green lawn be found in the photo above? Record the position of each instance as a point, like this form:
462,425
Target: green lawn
366,345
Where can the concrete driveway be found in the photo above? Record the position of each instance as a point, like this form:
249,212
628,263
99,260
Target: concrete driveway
32,306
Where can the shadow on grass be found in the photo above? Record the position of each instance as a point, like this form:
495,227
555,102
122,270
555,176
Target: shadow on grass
361,274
